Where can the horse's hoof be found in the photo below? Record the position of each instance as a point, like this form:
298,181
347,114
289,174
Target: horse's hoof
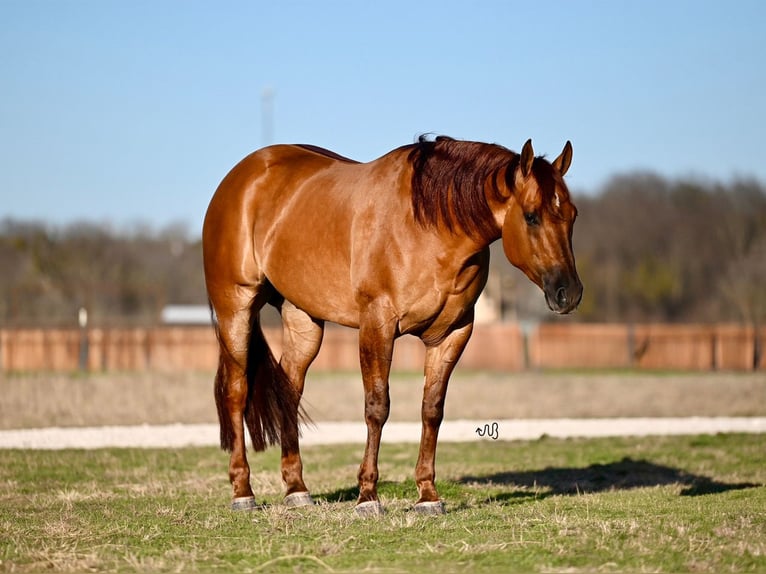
369,509
430,507
244,503
298,499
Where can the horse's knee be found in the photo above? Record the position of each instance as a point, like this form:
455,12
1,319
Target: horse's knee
433,412
376,408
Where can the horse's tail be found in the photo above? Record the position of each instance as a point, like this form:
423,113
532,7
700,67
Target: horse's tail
272,401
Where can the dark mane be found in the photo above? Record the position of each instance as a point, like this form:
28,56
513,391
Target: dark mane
448,183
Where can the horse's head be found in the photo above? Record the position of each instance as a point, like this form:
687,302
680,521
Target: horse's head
537,230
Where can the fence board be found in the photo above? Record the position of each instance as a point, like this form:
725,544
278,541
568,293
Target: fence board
735,347
683,347
495,347
580,345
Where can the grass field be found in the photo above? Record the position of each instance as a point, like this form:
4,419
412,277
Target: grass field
681,504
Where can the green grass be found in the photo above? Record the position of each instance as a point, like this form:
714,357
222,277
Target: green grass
676,504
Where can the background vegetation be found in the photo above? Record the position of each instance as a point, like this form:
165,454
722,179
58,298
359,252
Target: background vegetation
648,249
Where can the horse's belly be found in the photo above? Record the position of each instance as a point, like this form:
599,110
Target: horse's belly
334,309
322,292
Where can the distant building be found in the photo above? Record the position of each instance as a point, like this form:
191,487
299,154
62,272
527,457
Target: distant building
186,315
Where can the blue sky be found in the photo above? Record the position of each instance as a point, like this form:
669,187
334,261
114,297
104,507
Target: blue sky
132,111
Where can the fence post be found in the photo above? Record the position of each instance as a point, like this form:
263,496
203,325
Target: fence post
82,320
527,327
631,345
147,349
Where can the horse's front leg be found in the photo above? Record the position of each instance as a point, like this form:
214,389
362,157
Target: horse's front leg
376,344
440,362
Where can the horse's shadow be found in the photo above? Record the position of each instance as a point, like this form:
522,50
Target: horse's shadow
349,494
620,475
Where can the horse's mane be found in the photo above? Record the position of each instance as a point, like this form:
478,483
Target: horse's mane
448,182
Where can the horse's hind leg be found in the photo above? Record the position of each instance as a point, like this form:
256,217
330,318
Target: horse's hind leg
233,314
302,337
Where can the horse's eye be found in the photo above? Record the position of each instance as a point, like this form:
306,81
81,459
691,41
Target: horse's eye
531,218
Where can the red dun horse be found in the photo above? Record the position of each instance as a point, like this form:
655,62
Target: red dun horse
394,246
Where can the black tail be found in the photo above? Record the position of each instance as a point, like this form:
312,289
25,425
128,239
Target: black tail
272,401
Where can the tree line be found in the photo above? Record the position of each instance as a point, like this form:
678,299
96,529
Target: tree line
648,249
119,277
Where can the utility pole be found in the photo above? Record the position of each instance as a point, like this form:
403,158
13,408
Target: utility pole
267,116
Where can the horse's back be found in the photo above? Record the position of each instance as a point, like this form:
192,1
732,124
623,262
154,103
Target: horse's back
283,170
291,214
265,183
326,153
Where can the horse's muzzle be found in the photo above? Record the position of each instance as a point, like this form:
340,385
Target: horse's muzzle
563,293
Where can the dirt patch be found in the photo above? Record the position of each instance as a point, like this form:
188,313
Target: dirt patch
554,395
40,400
30,401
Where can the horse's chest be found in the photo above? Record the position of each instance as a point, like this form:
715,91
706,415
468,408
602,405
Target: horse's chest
449,301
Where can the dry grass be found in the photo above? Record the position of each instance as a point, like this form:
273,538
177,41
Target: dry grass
39,400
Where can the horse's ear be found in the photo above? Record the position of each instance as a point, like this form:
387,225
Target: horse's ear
527,157
564,160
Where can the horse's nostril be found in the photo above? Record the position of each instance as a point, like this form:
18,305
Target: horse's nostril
561,297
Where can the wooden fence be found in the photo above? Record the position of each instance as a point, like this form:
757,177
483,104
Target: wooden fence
501,347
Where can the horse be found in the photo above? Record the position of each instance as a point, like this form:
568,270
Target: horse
398,245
